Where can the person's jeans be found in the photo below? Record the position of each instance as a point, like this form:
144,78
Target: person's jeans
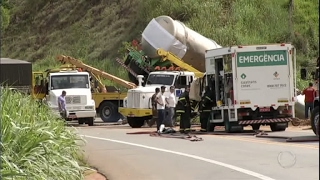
161,117
170,116
307,106
63,114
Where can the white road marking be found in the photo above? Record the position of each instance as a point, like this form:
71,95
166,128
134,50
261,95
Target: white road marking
241,170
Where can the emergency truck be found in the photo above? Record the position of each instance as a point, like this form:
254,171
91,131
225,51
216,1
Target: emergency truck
254,85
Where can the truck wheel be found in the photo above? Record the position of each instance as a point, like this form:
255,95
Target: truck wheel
315,120
90,121
232,127
255,127
109,112
81,121
135,122
278,127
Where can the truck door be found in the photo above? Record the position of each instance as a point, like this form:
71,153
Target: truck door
263,76
38,85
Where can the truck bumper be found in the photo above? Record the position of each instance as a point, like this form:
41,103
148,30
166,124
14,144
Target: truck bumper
131,112
265,121
81,114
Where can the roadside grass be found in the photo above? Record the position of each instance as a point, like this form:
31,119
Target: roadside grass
35,143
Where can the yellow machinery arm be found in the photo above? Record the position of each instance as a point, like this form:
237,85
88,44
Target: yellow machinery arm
96,72
179,62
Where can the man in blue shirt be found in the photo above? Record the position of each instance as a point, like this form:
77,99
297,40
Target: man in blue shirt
62,104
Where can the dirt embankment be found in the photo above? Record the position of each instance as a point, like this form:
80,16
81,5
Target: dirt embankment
94,175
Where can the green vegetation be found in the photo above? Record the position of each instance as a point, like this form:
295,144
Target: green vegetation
35,144
5,16
94,31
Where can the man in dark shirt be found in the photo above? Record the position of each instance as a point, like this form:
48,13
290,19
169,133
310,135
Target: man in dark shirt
309,95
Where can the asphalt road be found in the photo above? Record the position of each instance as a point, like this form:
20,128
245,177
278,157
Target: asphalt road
121,156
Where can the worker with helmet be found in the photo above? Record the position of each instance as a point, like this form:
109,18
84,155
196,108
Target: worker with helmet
183,108
206,104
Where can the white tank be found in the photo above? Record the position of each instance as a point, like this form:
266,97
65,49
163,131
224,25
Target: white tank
172,35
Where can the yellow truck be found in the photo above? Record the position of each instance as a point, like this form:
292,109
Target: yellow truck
107,98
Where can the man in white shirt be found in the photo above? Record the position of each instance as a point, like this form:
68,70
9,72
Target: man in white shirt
161,104
62,104
171,99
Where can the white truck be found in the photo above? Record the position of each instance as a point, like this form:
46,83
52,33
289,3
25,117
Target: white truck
49,85
254,85
166,39
137,105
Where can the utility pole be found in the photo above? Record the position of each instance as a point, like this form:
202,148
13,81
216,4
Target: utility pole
291,11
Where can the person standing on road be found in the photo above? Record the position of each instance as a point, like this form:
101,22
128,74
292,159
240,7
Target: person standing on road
154,107
183,108
62,104
161,104
309,96
206,104
171,99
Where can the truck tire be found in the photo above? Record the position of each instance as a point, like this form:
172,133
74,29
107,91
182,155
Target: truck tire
109,112
135,122
81,121
90,121
232,127
315,120
275,127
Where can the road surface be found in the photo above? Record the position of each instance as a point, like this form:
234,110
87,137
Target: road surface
121,156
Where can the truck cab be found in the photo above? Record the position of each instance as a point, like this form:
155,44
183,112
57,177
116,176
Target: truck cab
137,104
49,85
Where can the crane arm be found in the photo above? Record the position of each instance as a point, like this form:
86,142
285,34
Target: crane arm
177,61
95,71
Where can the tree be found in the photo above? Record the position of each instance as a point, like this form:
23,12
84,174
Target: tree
5,14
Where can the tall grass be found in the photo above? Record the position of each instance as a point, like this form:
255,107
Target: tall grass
34,143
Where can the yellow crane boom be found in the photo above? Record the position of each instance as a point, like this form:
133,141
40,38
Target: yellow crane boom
178,62
96,72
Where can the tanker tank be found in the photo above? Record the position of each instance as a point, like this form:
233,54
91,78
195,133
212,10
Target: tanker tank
172,35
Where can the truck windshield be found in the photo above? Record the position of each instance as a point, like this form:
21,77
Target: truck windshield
163,79
69,81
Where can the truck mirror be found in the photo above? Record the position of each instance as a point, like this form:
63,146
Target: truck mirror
303,74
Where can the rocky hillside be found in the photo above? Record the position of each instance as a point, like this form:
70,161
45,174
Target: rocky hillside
95,30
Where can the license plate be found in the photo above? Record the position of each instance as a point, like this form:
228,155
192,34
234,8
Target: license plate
72,116
264,109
